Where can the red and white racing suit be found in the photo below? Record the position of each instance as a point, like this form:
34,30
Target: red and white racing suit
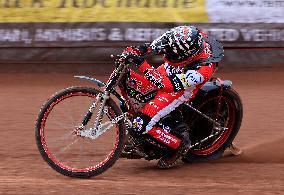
160,91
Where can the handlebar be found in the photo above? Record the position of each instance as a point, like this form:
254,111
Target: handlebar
120,59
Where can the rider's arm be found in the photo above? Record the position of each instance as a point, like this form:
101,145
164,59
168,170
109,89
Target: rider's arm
196,78
159,79
177,82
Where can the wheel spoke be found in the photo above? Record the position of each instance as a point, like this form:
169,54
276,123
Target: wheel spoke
66,127
62,138
66,147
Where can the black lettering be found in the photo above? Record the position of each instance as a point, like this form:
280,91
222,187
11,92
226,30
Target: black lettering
119,3
280,3
93,3
154,3
87,4
11,3
162,3
227,3
133,3
175,4
147,3
63,3
188,3
251,3
102,3
129,3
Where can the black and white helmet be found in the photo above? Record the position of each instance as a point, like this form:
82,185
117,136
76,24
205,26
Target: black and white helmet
179,44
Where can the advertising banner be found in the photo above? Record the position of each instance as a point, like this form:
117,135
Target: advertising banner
180,11
38,24
103,11
122,34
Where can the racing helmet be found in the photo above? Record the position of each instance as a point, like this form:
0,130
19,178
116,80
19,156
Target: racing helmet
180,45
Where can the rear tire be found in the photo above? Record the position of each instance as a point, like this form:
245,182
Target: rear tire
60,165
210,152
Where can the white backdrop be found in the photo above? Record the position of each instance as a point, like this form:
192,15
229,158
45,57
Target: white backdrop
245,11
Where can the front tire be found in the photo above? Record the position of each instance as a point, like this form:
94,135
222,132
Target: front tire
81,157
230,116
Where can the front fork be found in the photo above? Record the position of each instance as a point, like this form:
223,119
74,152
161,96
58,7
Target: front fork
100,98
101,109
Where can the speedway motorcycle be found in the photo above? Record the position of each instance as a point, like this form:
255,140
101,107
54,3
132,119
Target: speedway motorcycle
81,131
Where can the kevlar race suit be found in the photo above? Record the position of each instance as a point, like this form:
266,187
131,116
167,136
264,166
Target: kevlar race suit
161,90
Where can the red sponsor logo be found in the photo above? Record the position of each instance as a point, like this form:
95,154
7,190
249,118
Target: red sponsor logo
165,137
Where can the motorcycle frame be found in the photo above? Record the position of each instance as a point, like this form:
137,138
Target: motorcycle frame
109,88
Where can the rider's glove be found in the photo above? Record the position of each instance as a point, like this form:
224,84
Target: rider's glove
133,58
140,50
133,55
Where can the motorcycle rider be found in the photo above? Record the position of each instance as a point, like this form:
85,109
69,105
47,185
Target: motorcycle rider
190,59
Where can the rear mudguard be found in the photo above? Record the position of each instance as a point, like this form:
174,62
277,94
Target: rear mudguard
213,86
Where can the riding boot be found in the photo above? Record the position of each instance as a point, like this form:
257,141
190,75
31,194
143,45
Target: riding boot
133,148
174,159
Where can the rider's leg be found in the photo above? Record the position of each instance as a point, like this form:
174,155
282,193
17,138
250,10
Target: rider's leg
169,161
162,105
145,122
137,90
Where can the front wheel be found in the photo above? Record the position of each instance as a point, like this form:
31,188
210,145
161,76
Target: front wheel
227,109
66,150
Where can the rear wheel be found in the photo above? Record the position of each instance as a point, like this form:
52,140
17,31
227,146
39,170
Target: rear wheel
66,150
227,110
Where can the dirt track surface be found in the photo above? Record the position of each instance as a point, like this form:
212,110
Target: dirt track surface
259,170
